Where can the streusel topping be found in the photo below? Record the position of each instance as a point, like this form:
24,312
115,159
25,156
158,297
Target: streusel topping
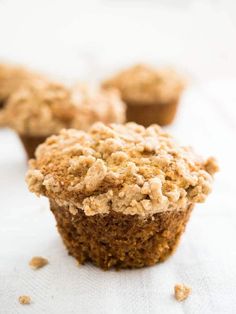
45,108
181,292
12,77
143,84
125,168
97,105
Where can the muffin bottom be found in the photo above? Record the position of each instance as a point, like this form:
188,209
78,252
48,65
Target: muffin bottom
30,143
2,117
2,104
162,114
118,240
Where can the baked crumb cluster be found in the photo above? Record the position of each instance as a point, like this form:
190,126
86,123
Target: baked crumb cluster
24,299
44,108
181,292
124,168
38,262
142,84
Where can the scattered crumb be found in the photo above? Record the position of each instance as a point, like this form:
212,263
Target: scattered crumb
24,299
38,262
211,165
182,292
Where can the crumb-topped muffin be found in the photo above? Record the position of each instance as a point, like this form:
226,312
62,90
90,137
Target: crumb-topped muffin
121,194
39,110
152,95
11,78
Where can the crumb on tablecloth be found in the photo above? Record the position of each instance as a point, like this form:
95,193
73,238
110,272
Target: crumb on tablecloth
38,262
182,292
24,299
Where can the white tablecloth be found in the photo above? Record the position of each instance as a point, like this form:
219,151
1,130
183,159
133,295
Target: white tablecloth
205,259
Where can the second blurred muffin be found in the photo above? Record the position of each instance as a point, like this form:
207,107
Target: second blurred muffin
39,110
152,95
13,77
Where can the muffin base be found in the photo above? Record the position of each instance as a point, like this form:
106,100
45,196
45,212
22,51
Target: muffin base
118,240
2,104
30,143
162,114
2,119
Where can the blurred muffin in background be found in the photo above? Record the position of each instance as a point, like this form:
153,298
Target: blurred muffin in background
95,104
43,108
11,78
152,95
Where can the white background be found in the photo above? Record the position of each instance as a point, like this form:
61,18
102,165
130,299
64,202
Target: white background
88,40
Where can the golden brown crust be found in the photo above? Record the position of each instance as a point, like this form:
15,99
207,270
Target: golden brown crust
44,108
121,168
144,85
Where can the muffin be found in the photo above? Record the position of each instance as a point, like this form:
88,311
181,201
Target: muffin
152,96
121,194
43,108
11,78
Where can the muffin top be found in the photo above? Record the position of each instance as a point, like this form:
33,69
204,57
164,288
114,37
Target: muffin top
122,168
95,104
143,84
12,77
43,108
